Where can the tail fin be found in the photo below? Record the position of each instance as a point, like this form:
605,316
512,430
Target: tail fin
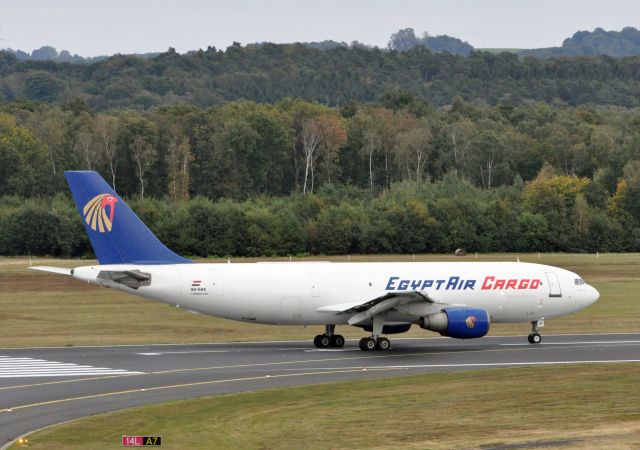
116,233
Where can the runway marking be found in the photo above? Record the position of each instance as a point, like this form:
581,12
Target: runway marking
531,363
577,343
11,367
185,385
280,363
339,350
118,346
182,353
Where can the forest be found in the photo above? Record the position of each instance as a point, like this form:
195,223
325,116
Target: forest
270,73
399,175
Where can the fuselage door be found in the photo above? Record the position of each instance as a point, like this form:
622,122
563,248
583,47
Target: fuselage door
554,284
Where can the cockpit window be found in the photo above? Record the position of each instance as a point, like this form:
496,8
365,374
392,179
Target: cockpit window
579,281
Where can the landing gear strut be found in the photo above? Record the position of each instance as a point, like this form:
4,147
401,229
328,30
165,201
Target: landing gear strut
534,336
375,342
329,338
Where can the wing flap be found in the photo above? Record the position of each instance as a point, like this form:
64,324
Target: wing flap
364,311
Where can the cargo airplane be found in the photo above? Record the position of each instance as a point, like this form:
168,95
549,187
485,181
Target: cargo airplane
458,300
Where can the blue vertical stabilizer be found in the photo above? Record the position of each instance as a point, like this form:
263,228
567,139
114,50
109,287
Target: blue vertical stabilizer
116,233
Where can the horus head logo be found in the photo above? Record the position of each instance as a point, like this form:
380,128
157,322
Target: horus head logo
471,321
95,214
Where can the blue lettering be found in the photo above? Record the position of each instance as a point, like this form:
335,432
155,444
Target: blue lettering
404,284
426,284
415,284
453,282
469,284
390,284
439,283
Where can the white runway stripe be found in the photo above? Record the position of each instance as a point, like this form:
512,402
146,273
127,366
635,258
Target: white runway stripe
30,367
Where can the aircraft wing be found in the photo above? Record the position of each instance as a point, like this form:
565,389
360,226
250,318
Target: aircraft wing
363,311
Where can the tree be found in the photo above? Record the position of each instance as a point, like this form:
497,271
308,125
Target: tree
178,158
333,136
311,148
413,148
403,40
143,153
107,130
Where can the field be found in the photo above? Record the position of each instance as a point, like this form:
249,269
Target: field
39,309
551,407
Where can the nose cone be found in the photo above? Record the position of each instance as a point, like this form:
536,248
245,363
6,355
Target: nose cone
592,296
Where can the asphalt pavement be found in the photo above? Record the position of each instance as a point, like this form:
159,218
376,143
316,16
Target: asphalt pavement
45,386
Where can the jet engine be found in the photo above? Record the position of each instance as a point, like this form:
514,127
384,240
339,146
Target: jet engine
460,323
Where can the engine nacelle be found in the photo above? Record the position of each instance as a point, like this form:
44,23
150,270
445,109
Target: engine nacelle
460,323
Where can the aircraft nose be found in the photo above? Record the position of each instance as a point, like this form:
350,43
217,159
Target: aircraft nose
592,296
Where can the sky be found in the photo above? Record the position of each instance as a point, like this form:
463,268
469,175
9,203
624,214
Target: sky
91,28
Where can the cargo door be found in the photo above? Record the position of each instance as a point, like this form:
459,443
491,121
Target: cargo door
554,284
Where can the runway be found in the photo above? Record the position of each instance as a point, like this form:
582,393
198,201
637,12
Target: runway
45,386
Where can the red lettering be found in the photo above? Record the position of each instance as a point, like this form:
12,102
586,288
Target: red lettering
499,284
524,283
534,284
511,284
487,282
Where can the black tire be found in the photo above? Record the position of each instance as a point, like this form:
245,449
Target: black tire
367,344
383,344
325,341
534,338
337,341
316,341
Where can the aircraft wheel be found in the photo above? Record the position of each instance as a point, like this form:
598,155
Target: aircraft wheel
337,340
534,338
321,341
383,344
367,344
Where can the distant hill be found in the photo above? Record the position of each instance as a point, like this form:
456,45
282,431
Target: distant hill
48,53
593,43
272,72
406,39
583,43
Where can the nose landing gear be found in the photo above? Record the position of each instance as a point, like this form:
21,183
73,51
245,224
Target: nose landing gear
534,336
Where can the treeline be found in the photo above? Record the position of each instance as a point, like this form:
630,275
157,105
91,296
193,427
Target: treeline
552,213
244,149
296,177
336,76
597,42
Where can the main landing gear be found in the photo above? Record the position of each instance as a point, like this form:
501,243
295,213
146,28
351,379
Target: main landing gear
534,336
375,342
370,343
329,338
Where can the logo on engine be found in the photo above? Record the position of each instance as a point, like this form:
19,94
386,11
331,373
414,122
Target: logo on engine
95,214
471,321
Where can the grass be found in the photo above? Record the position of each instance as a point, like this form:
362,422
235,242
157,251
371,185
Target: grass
590,406
39,309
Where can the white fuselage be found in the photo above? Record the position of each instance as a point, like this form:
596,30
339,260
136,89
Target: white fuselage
297,292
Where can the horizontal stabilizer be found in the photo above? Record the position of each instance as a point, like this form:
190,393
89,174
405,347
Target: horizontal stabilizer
58,270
